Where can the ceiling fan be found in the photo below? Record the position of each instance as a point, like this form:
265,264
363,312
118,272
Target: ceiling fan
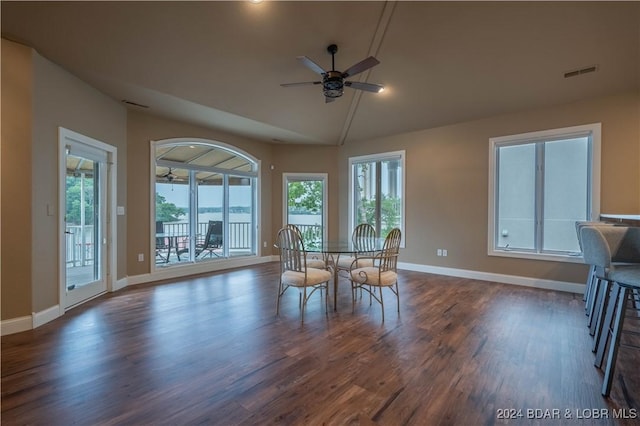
333,81
169,176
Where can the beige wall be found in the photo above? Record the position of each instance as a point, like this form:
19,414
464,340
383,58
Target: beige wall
447,182
15,167
44,98
143,128
447,177
62,100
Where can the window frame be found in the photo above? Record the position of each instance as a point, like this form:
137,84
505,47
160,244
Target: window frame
298,177
391,155
593,131
255,175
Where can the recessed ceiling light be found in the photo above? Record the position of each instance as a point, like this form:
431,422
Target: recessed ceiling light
255,1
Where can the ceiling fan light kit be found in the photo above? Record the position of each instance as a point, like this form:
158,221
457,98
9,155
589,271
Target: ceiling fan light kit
333,82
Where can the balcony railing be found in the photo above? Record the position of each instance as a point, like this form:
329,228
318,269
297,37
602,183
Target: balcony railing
239,237
79,243
80,240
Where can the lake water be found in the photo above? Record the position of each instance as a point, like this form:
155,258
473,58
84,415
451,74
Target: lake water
298,219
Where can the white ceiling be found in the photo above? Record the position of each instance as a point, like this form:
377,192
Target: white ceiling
221,63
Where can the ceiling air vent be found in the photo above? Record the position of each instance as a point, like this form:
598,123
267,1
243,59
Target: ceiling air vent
586,70
124,101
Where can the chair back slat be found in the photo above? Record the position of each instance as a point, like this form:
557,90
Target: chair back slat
390,250
364,238
291,249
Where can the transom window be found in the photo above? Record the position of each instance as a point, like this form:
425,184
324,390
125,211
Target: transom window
541,183
204,203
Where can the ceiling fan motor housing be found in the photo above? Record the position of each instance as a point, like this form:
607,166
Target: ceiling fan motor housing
333,84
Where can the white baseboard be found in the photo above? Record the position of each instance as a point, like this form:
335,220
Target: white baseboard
198,268
498,278
36,319
43,317
120,284
16,325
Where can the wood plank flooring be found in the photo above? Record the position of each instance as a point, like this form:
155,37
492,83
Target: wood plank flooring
210,350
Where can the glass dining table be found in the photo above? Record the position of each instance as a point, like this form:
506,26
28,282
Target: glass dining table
331,252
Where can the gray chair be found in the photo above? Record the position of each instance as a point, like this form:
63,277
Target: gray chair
294,271
606,248
383,273
600,246
626,287
589,295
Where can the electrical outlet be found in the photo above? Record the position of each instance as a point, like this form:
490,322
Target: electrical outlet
264,244
140,257
439,252
444,252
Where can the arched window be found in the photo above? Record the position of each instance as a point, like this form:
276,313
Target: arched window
205,201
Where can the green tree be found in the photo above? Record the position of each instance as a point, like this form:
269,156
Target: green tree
167,212
74,197
389,213
305,196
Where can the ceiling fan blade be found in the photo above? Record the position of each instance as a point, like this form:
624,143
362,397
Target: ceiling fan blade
369,87
311,65
328,99
304,83
363,65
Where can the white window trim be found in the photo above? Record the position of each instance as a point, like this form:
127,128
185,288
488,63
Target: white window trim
595,129
377,157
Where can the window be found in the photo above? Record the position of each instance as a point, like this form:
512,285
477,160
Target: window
205,201
377,191
541,183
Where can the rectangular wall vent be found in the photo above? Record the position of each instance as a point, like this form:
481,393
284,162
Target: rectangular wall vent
586,70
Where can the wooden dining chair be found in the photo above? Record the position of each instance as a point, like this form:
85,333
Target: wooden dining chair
294,271
381,274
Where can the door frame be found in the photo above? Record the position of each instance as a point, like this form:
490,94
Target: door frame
324,177
110,234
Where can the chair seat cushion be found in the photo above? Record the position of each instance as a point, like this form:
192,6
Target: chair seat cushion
314,276
628,276
346,262
316,263
371,276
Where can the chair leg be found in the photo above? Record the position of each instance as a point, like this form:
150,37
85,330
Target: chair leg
597,335
606,326
595,304
381,303
398,296
304,302
278,298
615,341
354,292
588,290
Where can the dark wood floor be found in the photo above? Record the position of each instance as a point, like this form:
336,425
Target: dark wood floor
210,350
